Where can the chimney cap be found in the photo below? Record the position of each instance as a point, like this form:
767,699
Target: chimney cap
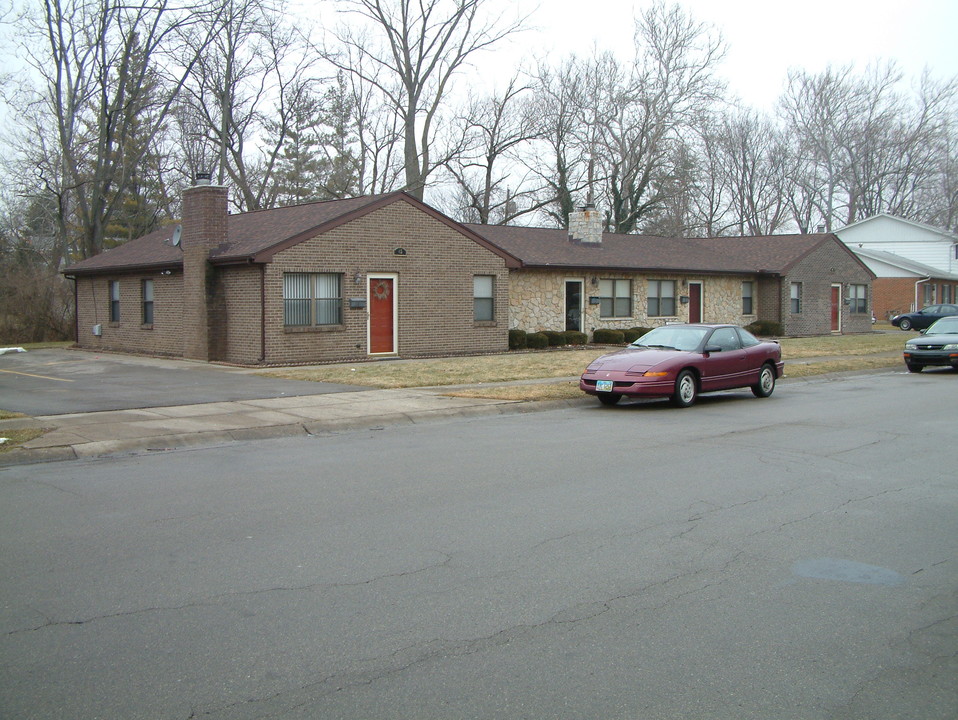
203,178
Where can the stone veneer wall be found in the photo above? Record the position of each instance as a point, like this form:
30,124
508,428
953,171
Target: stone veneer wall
537,300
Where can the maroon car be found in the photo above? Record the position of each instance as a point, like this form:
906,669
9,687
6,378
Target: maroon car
681,361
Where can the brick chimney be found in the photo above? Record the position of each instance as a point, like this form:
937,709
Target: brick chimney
204,229
586,225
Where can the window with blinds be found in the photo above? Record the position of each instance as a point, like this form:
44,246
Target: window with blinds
312,299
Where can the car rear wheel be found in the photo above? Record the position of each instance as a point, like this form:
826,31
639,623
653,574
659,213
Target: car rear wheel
766,382
609,398
686,389
905,324
912,367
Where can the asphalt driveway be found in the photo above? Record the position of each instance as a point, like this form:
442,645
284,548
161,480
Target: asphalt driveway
59,381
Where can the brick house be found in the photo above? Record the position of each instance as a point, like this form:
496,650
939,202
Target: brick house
379,276
388,276
585,279
915,264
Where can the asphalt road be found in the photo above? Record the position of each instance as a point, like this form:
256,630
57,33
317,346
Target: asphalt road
60,381
795,557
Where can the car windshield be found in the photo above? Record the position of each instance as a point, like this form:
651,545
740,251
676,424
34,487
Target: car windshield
678,337
947,325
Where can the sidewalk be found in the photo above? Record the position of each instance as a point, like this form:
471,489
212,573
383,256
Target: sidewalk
84,435
92,434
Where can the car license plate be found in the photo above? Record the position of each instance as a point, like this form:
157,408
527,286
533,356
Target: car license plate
603,386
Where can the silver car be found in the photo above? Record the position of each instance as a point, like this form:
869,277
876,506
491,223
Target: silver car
938,345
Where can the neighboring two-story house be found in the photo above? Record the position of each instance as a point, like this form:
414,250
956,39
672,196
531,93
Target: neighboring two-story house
915,265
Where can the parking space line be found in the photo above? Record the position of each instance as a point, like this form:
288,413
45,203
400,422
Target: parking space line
42,377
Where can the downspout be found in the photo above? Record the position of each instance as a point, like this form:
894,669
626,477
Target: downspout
76,310
262,314
919,282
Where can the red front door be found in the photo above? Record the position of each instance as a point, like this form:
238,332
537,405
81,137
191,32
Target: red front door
381,315
695,302
836,308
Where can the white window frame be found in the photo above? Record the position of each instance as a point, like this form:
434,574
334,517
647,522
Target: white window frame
483,298
611,298
659,298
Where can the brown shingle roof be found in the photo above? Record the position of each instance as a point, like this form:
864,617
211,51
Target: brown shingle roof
250,234
257,236
547,248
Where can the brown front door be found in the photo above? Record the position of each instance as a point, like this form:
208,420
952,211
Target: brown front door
695,302
836,308
382,298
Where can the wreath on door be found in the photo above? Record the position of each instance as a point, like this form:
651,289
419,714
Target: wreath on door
381,289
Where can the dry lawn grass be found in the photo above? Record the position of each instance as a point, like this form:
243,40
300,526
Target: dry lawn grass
15,438
488,373
450,371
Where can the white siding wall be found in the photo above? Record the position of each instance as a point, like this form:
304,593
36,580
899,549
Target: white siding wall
909,240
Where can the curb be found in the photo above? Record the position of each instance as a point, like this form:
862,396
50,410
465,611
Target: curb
182,441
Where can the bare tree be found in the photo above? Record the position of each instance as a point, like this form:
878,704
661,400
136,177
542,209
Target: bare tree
627,120
670,87
751,160
494,127
409,51
865,147
246,94
556,159
112,72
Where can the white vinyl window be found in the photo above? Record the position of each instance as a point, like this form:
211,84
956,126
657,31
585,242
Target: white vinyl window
858,299
748,302
615,298
483,298
661,298
114,301
796,298
147,302
312,299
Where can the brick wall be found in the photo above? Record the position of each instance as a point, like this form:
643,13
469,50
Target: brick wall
434,290
204,228
893,296
829,264
163,337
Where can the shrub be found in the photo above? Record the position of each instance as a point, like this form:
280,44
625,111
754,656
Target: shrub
633,334
537,341
518,339
765,328
574,337
604,336
556,337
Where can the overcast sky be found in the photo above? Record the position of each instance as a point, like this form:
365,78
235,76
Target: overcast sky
765,38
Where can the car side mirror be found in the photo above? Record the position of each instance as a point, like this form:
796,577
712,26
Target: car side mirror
709,349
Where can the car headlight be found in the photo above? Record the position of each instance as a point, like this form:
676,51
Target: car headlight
951,346
910,346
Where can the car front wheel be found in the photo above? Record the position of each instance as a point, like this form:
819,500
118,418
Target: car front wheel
686,389
905,324
912,367
766,382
